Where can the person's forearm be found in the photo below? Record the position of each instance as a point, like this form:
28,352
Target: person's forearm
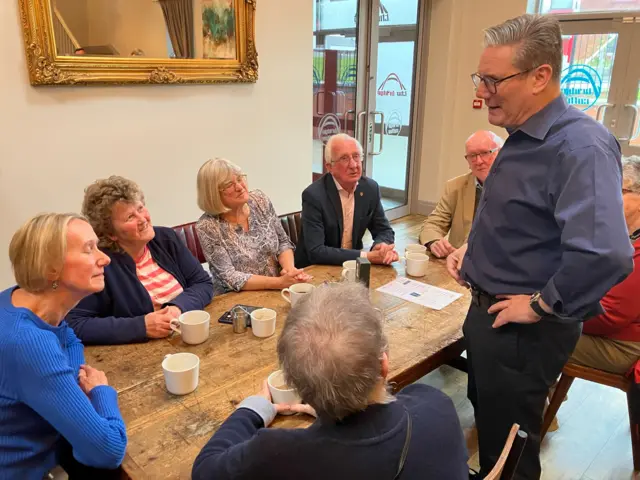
260,282
286,260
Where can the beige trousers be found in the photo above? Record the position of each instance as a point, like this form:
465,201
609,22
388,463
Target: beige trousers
614,356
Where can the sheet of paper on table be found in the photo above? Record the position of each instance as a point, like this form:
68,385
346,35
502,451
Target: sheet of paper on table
420,293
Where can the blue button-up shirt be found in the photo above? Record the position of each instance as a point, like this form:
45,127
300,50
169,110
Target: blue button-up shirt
551,217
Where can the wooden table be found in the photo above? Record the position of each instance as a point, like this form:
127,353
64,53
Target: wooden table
166,432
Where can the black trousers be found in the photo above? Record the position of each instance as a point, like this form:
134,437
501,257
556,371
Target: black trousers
510,371
77,471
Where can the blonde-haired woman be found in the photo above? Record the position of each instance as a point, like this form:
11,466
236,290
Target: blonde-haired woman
54,409
241,235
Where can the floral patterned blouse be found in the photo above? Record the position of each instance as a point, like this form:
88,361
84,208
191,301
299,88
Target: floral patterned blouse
233,254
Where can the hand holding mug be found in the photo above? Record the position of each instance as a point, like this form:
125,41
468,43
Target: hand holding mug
158,324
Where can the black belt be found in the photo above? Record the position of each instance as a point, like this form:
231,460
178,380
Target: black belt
482,299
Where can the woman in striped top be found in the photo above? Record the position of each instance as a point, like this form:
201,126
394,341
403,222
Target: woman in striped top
152,277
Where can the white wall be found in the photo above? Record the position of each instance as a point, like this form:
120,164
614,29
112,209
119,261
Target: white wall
54,141
455,44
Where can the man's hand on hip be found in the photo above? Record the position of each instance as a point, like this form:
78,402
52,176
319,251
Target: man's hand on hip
513,309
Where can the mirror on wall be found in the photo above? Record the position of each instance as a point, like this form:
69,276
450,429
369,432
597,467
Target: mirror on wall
140,41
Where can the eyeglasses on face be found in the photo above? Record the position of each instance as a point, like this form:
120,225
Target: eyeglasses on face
492,83
344,159
629,190
472,156
229,186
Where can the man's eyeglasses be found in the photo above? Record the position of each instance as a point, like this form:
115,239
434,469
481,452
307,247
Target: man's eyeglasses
492,83
228,186
344,159
472,156
629,190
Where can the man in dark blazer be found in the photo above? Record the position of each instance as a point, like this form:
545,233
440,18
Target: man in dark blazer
338,208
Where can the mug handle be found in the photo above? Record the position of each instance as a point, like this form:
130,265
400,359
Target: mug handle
282,293
344,274
175,325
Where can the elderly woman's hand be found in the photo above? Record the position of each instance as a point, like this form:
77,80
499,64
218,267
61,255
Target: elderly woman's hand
89,378
298,274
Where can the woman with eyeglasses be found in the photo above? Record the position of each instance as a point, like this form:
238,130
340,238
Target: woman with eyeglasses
241,235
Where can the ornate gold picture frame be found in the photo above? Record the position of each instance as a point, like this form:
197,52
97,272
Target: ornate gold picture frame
48,67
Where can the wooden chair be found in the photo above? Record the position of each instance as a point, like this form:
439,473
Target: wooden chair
291,222
572,371
505,467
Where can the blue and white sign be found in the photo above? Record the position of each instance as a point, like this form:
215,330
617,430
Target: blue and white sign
581,85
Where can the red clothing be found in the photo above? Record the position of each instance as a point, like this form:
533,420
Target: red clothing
621,317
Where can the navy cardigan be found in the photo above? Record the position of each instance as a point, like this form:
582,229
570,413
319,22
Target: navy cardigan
116,314
365,445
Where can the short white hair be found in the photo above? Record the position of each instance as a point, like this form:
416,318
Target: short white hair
328,149
497,139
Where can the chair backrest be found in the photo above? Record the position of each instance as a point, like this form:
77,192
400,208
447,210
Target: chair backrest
292,223
505,467
187,233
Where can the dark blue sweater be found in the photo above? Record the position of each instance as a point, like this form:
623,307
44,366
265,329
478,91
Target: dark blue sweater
366,445
116,315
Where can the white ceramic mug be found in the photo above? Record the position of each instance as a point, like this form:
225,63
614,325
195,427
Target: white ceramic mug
263,322
414,248
192,326
296,291
349,271
416,264
181,372
281,395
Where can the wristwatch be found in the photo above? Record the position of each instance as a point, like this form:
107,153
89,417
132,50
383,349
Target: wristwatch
534,303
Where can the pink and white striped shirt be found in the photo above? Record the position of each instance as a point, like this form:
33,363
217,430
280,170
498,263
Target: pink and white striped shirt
161,285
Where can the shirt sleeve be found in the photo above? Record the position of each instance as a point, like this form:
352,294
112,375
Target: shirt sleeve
47,384
621,305
219,258
597,253
75,350
438,223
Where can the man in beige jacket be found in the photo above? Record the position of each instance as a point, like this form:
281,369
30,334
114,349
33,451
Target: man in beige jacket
455,211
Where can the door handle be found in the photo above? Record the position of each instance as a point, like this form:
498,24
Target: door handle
356,129
381,130
632,127
601,109
317,103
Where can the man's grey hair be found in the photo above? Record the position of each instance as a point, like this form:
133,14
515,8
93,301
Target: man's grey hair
538,41
631,172
328,148
331,349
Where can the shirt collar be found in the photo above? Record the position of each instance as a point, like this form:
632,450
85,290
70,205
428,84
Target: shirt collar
539,124
339,187
478,184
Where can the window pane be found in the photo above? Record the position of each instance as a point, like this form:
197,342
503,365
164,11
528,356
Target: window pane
586,69
577,6
635,139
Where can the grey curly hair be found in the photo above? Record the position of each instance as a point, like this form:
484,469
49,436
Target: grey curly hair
99,200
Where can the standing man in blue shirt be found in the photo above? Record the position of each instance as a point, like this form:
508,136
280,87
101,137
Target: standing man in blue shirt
548,240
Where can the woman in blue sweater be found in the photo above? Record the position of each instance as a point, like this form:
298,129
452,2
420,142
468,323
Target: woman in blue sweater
152,278
54,409
333,351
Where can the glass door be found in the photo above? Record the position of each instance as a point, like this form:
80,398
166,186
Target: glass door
340,45
601,73
364,66
389,127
